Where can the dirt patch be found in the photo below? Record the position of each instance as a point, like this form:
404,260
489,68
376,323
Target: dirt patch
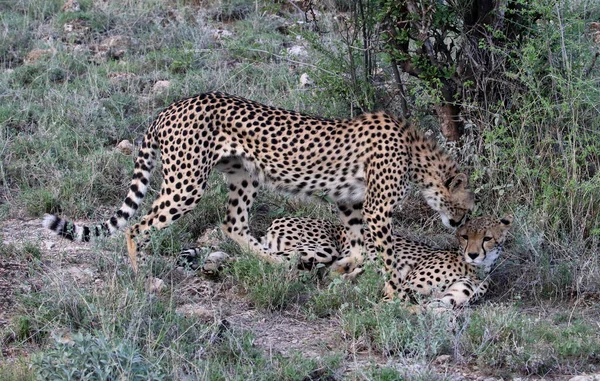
13,280
46,251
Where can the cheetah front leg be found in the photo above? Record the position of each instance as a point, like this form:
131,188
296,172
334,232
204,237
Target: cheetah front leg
464,291
352,219
385,186
242,191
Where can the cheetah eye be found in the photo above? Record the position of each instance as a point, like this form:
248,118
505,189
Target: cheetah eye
485,239
465,237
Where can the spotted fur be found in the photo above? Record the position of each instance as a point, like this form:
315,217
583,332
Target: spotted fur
364,164
453,276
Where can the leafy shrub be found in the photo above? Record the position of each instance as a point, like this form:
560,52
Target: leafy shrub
94,357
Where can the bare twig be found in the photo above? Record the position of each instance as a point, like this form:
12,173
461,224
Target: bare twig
563,48
292,61
403,103
295,6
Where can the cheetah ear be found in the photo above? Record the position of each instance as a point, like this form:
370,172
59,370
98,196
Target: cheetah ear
458,182
507,220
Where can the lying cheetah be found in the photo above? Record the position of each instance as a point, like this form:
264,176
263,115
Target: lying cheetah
363,164
450,275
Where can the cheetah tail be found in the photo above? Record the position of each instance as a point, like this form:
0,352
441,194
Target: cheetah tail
138,187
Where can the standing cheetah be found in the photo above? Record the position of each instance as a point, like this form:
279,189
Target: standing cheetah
364,164
452,276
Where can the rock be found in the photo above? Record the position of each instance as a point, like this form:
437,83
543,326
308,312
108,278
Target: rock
442,359
125,147
37,54
50,245
214,262
80,274
297,51
305,80
71,6
154,285
161,87
588,377
219,34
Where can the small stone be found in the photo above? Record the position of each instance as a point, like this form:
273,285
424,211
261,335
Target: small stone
50,245
126,147
214,262
161,87
154,285
71,6
219,34
442,359
305,80
80,274
588,377
297,51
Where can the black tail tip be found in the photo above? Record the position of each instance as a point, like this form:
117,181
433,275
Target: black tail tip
59,226
51,222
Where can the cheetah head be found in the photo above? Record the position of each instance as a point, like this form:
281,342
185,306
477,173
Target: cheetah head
481,239
453,201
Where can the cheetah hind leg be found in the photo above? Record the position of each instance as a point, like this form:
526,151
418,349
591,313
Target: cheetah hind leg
165,210
132,250
242,192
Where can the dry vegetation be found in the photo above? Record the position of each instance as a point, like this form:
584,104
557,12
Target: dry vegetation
77,78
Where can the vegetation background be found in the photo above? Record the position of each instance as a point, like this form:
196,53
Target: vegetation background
511,88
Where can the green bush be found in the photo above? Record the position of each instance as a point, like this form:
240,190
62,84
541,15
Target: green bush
94,357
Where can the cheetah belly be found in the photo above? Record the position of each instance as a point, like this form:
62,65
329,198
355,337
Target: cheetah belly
304,182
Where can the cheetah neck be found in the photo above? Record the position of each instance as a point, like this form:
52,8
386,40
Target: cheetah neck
484,268
491,258
430,166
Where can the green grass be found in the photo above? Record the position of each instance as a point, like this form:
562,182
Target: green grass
502,337
16,371
269,287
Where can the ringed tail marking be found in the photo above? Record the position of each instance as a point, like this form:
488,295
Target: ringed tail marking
144,164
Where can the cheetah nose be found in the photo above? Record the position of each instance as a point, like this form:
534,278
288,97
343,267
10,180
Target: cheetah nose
473,255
